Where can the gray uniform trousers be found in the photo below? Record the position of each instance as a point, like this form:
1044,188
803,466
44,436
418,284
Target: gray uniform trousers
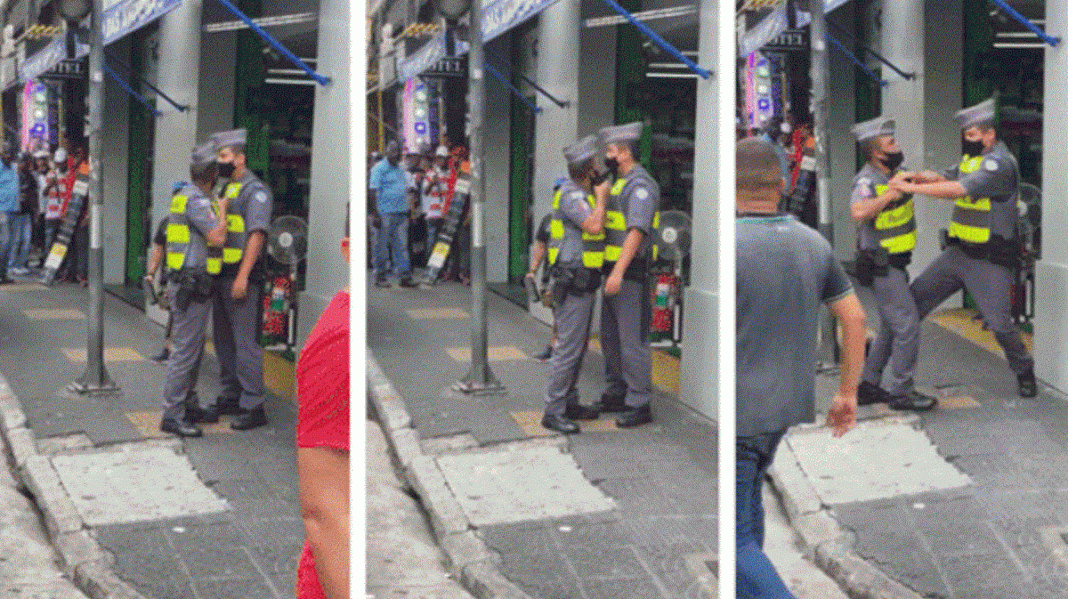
991,286
240,355
573,318
899,335
187,349
628,360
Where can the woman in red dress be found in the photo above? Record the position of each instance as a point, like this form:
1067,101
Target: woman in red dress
323,451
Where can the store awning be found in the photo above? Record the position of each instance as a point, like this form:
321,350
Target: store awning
498,16
120,18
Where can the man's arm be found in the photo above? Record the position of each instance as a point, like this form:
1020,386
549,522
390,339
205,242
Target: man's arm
594,223
949,190
216,236
863,209
842,414
154,260
536,256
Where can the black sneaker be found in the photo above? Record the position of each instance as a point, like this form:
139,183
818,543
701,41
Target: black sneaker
1027,384
635,417
560,424
408,282
162,356
383,283
913,400
611,403
868,394
545,354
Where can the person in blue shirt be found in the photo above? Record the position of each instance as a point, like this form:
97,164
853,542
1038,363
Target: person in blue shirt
390,207
9,206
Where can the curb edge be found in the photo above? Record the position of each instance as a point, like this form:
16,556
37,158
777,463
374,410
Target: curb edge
82,559
470,561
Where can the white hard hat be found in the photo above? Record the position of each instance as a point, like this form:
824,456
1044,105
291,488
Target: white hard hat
61,155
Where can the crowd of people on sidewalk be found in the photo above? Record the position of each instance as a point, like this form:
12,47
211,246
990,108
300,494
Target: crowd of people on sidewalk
35,196
409,198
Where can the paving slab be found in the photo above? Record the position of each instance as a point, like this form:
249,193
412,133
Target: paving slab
876,460
514,486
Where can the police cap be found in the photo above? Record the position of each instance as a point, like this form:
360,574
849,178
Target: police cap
874,128
980,114
621,134
581,150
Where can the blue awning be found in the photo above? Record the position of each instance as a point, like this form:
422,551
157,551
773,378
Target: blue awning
121,17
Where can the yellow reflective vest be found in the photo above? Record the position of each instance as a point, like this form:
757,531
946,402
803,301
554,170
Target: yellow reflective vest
593,246
895,228
971,217
234,247
615,224
178,237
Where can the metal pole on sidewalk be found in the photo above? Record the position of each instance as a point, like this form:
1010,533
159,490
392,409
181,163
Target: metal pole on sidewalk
820,99
480,379
95,380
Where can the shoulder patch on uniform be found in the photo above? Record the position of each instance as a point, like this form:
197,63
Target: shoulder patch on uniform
990,165
261,196
204,202
863,182
578,195
641,193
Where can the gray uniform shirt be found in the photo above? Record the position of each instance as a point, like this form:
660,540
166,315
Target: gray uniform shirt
998,179
785,270
574,208
639,199
201,220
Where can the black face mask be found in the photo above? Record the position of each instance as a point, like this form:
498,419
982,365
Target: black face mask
893,160
972,148
226,169
613,166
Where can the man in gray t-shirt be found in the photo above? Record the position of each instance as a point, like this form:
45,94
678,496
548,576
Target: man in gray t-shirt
784,272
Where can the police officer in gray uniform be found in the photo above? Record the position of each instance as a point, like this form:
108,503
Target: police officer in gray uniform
630,217
193,226
238,289
982,250
886,235
576,254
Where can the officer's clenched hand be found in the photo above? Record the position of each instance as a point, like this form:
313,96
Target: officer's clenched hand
239,289
612,284
600,191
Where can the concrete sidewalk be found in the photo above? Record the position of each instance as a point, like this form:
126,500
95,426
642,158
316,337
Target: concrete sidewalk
969,500
521,511
133,512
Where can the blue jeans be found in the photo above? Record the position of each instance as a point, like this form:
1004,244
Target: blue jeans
757,578
21,231
7,236
393,234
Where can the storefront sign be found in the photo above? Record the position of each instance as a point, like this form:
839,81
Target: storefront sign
125,16
794,40
774,25
448,67
47,58
424,58
66,69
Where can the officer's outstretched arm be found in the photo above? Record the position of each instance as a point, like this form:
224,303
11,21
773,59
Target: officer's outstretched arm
949,190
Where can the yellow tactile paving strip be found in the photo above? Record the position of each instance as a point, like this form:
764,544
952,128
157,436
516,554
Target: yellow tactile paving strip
111,354
497,353
147,423
960,321
53,314
279,375
530,424
24,287
436,313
